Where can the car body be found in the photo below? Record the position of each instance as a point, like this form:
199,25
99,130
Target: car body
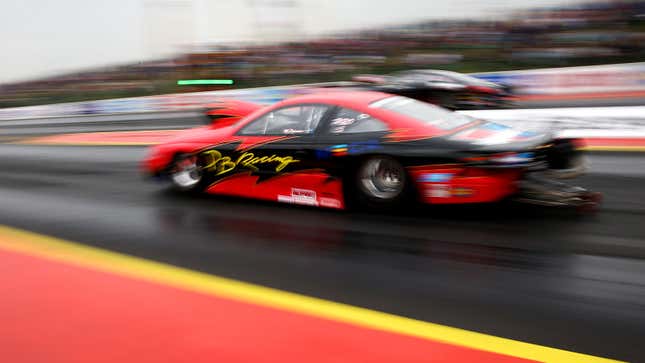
344,148
445,88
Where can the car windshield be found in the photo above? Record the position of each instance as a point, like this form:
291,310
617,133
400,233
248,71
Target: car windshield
425,112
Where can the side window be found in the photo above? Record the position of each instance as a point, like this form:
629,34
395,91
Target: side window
348,121
293,120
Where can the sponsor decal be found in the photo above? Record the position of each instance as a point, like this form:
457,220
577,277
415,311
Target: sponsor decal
339,124
354,148
300,196
342,121
525,135
514,158
294,131
438,191
462,192
214,161
474,134
435,177
368,145
339,150
499,138
330,202
446,191
495,126
494,133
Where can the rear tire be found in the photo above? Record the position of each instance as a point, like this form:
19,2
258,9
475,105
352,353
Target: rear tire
381,182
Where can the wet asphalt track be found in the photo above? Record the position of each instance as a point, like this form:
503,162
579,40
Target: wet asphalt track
534,274
528,273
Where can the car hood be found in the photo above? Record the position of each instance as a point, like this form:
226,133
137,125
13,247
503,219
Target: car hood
491,136
160,156
201,135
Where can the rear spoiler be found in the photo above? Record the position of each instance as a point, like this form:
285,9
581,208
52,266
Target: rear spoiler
226,112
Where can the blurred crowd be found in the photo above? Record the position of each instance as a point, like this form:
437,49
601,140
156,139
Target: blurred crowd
590,33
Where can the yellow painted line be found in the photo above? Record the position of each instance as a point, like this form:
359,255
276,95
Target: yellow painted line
59,250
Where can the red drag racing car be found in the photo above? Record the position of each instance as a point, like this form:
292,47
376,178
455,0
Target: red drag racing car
341,149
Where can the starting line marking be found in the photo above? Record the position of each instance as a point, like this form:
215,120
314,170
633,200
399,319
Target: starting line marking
54,249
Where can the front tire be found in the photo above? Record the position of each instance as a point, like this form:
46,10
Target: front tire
185,174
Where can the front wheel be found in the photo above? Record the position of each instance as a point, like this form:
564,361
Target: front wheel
381,182
185,174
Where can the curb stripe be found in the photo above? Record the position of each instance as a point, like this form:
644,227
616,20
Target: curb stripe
93,258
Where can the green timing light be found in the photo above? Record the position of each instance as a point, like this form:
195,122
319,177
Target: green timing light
192,82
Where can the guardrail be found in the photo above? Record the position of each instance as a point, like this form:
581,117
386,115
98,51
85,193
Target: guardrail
553,81
611,78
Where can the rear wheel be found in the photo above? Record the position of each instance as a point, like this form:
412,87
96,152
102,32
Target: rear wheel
381,182
185,174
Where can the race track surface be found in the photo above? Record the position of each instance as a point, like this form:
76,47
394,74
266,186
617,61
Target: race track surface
534,274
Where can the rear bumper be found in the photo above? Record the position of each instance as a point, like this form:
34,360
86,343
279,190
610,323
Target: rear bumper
459,185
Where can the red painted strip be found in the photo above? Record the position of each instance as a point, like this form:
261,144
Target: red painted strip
581,96
54,312
615,141
115,137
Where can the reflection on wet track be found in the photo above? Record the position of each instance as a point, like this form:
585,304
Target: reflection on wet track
528,273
